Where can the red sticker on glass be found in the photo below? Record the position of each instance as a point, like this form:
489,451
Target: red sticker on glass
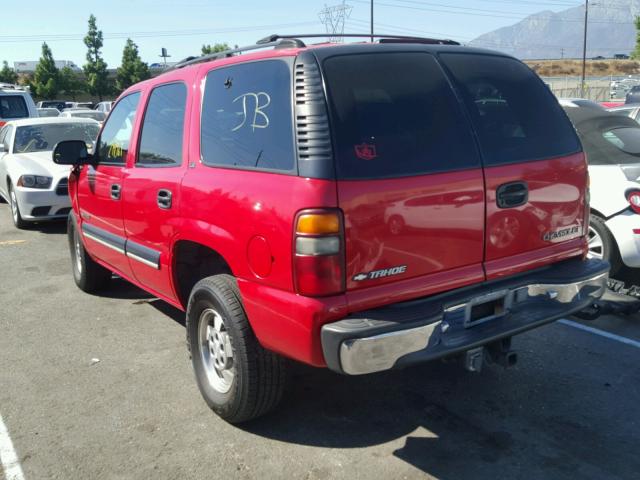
365,151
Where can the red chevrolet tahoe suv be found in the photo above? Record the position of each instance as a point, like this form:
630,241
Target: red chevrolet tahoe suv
359,207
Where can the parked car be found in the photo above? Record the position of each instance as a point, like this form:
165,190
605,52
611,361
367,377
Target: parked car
33,185
57,104
250,192
580,102
633,96
48,112
104,107
631,110
612,145
16,104
84,113
74,105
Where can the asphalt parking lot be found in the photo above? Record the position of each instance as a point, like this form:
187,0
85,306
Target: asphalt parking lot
100,387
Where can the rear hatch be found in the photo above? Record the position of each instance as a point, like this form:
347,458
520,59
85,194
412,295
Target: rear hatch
409,165
409,176
535,172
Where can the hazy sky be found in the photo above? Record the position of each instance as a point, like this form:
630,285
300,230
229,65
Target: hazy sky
182,27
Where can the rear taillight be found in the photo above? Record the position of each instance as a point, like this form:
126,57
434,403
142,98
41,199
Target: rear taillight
318,265
634,200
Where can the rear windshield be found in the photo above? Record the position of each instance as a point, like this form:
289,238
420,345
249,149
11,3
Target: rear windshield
13,106
515,115
394,115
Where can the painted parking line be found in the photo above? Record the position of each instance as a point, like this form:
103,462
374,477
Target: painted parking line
601,333
8,456
11,242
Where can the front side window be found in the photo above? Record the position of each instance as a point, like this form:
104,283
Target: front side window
163,126
116,134
395,115
515,115
42,138
13,106
246,117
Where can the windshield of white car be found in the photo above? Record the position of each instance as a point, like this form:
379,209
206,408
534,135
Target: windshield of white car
41,138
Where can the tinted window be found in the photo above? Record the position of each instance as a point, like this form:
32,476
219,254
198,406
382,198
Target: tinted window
116,135
246,116
163,126
394,114
515,116
13,106
42,138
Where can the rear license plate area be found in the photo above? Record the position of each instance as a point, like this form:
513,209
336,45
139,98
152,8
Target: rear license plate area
487,308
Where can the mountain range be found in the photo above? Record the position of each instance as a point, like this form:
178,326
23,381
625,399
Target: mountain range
550,34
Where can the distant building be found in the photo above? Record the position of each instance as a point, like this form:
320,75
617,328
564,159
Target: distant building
30,66
621,56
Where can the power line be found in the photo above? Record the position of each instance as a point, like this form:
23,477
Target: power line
333,19
147,34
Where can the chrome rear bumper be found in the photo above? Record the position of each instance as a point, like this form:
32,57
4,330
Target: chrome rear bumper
448,324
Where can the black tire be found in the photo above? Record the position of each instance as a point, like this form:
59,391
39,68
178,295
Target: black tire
607,249
259,376
16,216
89,275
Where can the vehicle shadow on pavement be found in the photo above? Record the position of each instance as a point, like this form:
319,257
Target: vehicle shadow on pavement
456,424
50,228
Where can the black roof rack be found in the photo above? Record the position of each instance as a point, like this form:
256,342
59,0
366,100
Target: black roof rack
382,38
278,43
285,41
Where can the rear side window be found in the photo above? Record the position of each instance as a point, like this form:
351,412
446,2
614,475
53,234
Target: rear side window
13,106
247,117
394,115
515,115
163,126
116,134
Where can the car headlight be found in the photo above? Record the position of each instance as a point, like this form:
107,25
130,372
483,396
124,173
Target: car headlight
34,181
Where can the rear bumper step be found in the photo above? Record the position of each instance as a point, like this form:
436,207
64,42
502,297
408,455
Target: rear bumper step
451,323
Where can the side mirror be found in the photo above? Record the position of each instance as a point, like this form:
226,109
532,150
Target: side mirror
71,152
4,148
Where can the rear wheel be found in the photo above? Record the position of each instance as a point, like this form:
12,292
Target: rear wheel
237,377
89,275
18,221
602,245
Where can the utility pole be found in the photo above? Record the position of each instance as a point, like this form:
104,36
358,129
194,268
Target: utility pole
584,48
562,53
371,21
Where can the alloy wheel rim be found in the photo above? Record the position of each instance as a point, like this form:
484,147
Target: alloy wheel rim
78,250
596,245
14,205
216,353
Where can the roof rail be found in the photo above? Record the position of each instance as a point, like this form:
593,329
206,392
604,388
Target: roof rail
382,38
278,43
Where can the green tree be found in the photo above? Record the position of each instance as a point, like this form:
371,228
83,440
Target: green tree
70,82
133,69
636,52
8,75
95,70
46,79
218,47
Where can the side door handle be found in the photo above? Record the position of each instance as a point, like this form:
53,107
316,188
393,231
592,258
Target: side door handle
512,194
115,191
164,199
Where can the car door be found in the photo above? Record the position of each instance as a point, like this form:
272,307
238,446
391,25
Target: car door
100,188
151,187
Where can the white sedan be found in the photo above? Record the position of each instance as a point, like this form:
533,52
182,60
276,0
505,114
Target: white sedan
34,186
612,145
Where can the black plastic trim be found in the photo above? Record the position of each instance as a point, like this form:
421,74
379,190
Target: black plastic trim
311,120
145,253
115,241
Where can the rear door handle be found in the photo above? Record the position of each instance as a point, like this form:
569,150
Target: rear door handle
512,194
115,191
164,199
